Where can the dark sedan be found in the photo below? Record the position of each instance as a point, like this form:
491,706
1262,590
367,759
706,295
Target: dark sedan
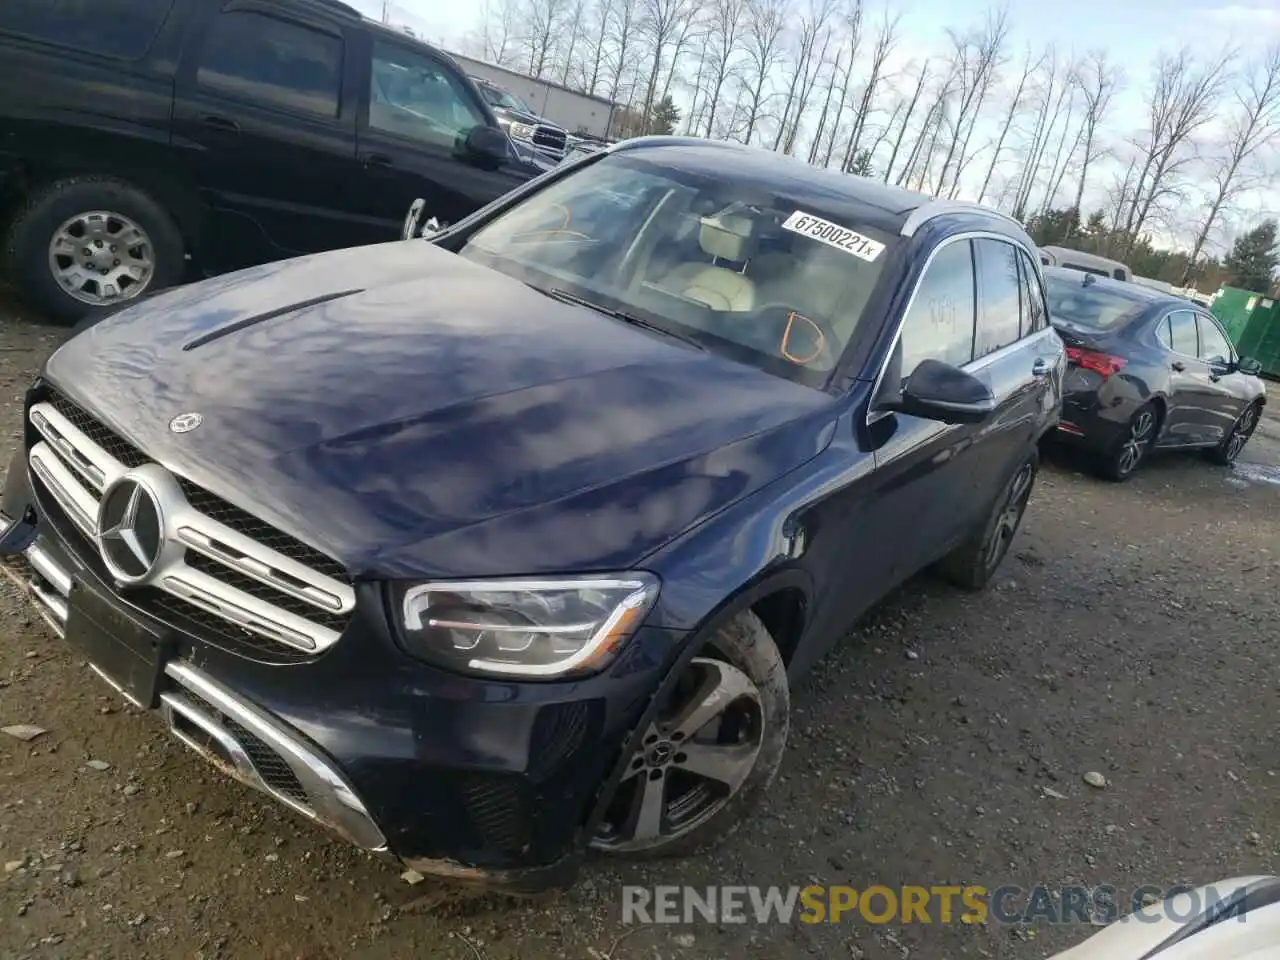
1148,371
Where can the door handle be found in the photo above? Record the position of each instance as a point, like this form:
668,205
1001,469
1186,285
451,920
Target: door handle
377,160
1040,368
1179,365
222,123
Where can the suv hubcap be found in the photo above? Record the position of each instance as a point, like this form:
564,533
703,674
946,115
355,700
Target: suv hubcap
1011,516
691,762
101,257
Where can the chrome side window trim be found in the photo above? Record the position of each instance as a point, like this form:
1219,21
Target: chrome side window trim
922,214
872,414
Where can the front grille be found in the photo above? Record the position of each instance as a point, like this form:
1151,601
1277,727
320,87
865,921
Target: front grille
550,137
238,582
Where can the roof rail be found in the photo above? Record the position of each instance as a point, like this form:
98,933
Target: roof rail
937,208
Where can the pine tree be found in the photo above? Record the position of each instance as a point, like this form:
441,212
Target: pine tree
1252,262
664,117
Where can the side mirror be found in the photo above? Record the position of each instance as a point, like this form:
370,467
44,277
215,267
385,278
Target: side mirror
939,391
487,147
1249,366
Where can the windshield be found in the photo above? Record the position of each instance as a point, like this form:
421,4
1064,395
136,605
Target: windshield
756,276
1089,306
501,98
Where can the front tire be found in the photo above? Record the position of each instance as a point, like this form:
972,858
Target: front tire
704,765
974,562
1232,445
84,245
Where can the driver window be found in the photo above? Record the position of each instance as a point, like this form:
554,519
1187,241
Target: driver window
416,97
940,323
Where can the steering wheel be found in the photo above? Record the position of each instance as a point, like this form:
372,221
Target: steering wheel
801,339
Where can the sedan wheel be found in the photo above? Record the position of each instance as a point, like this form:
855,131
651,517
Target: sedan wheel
707,757
1133,446
1234,442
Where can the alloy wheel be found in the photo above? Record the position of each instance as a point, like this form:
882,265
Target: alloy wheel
1134,445
1243,430
691,762
1007,523
99,257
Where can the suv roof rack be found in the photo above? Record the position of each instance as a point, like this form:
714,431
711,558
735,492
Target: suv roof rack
927,211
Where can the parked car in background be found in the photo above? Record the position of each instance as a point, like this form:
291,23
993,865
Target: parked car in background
546,512
1053,256
146,141
1148,370
521,122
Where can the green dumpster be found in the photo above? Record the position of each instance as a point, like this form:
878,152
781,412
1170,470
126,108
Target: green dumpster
1252,320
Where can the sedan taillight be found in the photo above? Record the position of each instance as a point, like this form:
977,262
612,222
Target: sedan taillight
1102,363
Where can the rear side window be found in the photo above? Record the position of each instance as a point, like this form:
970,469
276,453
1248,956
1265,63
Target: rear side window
939,325
114,28
1182,327
1213,345
1034,310
999,289
276,62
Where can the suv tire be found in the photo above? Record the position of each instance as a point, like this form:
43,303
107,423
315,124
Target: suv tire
739,656
33,229
974,562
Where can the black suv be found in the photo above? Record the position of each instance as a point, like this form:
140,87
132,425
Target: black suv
487,549
143,139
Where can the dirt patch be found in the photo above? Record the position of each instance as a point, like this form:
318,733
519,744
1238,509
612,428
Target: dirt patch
1131,633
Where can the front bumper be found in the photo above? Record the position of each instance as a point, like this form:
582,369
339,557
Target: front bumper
485,781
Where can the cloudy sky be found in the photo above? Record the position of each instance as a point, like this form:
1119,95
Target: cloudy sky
1133,30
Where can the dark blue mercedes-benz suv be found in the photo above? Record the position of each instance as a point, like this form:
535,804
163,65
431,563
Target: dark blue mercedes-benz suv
490,549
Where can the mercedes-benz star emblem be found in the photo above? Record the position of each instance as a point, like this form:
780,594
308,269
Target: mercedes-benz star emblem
185,422
130,530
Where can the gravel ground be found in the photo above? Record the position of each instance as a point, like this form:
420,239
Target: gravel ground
1131,632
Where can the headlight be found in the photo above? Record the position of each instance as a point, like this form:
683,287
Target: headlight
522,131
526,628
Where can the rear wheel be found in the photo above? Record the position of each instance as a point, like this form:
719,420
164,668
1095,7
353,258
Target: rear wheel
705,762
1233,443
975,561
1132,447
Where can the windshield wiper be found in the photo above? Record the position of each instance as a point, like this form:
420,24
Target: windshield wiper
564,296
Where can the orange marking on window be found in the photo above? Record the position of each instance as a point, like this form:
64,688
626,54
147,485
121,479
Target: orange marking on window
785,346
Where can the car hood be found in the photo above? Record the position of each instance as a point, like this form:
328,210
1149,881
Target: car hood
414,414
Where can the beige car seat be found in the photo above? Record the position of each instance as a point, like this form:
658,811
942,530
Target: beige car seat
720,288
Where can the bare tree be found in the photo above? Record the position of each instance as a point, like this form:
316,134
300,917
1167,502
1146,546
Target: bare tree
625,15
544,19
661,22
1052,88
1254,126
595,43
1099,81
1030,64
853,26
723,40
814,26
690,29
1181,102
499,31
977,57
762,51
906,120
815,145
575,32
886,37
1061,156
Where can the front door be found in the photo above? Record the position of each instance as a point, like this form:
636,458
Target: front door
1224,404
416,115
266,132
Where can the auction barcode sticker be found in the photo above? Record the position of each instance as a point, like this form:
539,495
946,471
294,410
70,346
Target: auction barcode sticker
833,235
